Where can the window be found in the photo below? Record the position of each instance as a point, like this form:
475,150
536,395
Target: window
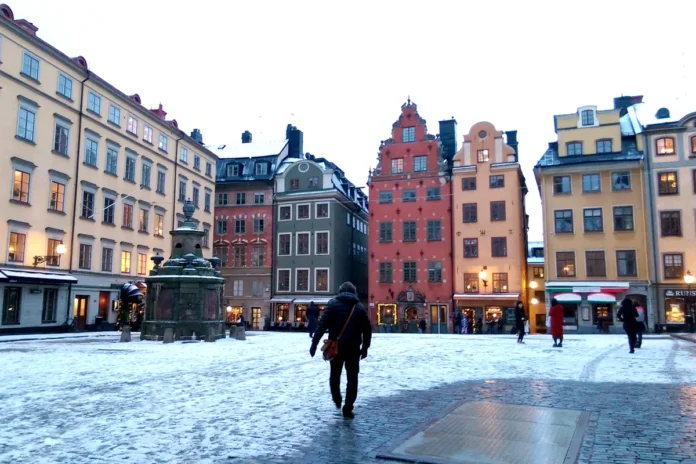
114,114
313,182
285,213
433,193
259,198
593,221
497,181
322,211
434,230
302,280
221,226
65,85
561,185
128,216
294,184
125,262
261,169
591,183
471,282
283,280
482,156
85,258
385,272
673,265
130,169
670,223
145,175
50,305
408,195
302,211
144,220
434,271
108,217
94,103
409,134
470,212
595,264
206,202
238,288
196,162
11,305
161,181
565,264
409,233
664,146
147,133
667,183
240,226
321,280
620,181
499,247
239,256
206,238
302,243
258,256
258,225
500,282
397,166
623,218
163,142
222,199
385,196
563,221
61,139
587,117
20,190
111,160
626,263
183,155
132,126
469,183
208,169
87,204
30,66
497,210
420,163
574,148
182,190
538,272
603,146
159,225
91,152
232,170
322,243
284,244
221,254
196,196
410,271
57,196
471,248
385,231
17,245
26,124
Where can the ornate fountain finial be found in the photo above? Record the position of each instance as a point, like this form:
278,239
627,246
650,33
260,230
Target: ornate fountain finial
189,209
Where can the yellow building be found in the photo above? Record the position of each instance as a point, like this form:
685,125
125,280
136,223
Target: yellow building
490,227
536,296
97,182
595,238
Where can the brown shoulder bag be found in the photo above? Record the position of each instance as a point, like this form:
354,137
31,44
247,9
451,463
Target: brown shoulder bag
330,348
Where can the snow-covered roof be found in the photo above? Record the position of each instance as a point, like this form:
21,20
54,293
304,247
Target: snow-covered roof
37,276
248,150
640,115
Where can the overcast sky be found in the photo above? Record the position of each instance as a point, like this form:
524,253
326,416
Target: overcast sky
340,72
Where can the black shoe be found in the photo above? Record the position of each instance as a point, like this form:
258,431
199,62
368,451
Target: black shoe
338,402
555,345
348,413
560,345
632,351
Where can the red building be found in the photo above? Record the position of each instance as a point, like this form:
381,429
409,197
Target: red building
410,239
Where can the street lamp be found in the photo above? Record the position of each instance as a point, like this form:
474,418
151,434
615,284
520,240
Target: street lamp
535,301
39,259
533,284
689,280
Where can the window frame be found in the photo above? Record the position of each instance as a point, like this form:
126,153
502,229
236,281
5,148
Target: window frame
496,181
17,312
316,279
499,278
316,210
468,207
309,211
406,235
91,152
585,218
560,178
433,193
297,280
615,175
595,261
126,264
328,242
142,264
408,134
410,272
483,156
667,191
602,143
431,228
148,133
281,208
49,306
635,263
94,102
574,146
592,177
53,203
84,260
468,183
679,274
12,255
558,230
587,118
33,59
386,272
25,180
679,230
472,247
423,161
61,127
29,131
114,115
559,270
278,280
495,207
435,272
664,150
500,240
386,231
397,166
279,249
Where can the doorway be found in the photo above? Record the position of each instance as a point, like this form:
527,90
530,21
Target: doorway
80,311
256,318
438,319
104,298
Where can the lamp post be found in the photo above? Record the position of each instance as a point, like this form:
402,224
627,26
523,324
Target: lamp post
39,259
689,280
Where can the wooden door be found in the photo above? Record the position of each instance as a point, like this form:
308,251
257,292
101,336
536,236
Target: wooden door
80,311
104,299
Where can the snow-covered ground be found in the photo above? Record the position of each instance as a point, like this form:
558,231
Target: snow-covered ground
92,399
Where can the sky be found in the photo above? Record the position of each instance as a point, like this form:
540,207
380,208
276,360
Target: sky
340,72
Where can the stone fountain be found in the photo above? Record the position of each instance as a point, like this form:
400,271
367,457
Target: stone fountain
184,295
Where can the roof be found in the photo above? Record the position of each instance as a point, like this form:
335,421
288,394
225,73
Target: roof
642,115
629,152
255,153
35,276
248,150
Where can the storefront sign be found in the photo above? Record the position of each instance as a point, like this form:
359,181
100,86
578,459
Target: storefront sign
587,290
674,292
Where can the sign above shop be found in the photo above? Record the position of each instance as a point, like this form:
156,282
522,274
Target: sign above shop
675,292
587,290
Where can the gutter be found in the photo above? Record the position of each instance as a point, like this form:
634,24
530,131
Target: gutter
273,247
176,180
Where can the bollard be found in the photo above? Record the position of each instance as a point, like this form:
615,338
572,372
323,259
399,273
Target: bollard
233,331
168,335
210,337
240,334
125,334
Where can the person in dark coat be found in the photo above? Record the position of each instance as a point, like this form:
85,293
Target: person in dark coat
458,323
629,316
520,317
641,324
312,318
422,326
352,346
479,326
556,315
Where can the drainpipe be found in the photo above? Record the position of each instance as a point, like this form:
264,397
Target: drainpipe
77,173
454,255
653,238
271,313
176,181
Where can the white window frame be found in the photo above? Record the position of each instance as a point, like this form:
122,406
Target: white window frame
183,154
27,168
238,287
601,208
328,279
328,242
309,211
284,206
132,121
328,210
163,143
118,119
278,271
96,96
145,133
72,85
594,114
297,243
630,181
284,233
309,275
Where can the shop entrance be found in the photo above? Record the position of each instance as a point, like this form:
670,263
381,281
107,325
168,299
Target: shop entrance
472,315
570,315
493,316
602,316
411,319
256,318
80,311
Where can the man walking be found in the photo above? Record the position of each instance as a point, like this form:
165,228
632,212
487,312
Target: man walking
347,322
312,318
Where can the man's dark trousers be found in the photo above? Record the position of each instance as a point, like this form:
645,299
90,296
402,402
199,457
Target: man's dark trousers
350,357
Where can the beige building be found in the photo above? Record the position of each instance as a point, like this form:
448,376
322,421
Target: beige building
591,186
97,182
490,227
536,295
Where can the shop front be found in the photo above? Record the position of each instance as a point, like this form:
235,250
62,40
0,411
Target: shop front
405,314
487,313
679,305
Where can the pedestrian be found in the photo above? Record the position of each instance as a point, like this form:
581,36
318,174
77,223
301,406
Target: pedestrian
312,318
520,317
465,325
347,322
501,324
458,321
422,326
641,324
556,315
629,315
479,325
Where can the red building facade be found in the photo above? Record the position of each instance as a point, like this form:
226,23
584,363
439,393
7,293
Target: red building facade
410,239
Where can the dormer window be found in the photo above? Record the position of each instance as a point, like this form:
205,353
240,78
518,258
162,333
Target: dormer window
232,170
574,148
665,146
409,134
588,118
261,169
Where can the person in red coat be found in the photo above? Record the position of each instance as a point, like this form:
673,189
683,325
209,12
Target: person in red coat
556,315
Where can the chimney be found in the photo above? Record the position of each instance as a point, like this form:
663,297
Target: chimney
624,102
448,135
159,112
662,113
295,141
246,137
197,136
511,138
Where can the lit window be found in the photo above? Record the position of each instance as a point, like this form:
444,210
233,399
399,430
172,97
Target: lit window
57,196
665,146
142,264
125,262
397,166
159,225
20,191
482,156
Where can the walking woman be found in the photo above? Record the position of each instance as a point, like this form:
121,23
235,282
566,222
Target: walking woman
556,315
629,316
519,321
